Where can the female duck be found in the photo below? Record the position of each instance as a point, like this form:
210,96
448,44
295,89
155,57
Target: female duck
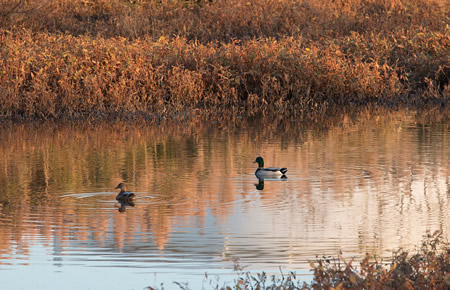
262,172
125,196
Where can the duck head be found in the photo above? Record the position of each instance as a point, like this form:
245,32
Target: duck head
121,186
260,161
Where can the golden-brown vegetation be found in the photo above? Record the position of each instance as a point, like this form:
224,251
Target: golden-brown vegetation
427,268
82,59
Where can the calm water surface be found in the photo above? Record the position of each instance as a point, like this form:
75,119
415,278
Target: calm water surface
371,184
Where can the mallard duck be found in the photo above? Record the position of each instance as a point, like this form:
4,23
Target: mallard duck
125,196
262,172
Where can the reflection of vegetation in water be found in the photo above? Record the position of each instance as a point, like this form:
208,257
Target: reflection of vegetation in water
174,161
70,158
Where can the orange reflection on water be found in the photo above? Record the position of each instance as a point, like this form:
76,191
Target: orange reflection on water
370,183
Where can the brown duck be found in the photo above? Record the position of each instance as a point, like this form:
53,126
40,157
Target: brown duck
125,196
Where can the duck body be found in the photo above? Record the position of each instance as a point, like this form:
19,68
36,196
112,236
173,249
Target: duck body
268,172
125,196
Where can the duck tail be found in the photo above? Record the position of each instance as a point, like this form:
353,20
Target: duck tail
283,170
131,197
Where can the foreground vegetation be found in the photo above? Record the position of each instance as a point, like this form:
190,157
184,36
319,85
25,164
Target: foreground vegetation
428,268
155,59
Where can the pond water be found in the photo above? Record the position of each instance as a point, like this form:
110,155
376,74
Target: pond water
362,184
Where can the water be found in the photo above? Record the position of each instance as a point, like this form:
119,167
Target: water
371,184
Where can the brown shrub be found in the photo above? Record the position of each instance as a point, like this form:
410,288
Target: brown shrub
259,57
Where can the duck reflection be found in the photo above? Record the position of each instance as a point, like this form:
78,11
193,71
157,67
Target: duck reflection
260,184
122,205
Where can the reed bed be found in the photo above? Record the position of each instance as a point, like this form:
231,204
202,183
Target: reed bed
172,59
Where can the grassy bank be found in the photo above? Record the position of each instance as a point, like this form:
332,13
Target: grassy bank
123,59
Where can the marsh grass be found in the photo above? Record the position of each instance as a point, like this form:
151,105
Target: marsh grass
428,267
155,59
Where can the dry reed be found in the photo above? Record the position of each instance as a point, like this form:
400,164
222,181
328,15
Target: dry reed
122,59
426,268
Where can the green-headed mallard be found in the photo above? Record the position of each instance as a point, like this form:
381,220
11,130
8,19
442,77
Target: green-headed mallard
262,172
125,196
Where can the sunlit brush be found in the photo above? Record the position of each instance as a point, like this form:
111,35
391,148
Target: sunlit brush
125,196
262,172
